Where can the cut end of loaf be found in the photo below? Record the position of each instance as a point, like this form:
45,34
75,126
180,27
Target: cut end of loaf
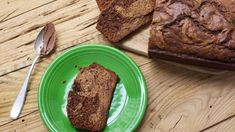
123,17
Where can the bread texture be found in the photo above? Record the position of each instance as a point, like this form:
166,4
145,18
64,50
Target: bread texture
90,98
123,17
194,32
103,4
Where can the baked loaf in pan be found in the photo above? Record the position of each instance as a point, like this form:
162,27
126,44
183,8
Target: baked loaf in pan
200,32
123,17
90,98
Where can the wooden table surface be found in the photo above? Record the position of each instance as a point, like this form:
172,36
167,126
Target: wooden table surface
179,100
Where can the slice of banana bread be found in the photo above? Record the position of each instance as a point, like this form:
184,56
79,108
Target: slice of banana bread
90,98
123,17
103,4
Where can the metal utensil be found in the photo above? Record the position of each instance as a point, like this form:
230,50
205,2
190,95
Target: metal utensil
20,99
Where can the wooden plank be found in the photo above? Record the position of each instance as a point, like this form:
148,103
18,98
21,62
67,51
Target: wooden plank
13,8
72,25
10,86
137,42
31,122
228,126
181,100
192,99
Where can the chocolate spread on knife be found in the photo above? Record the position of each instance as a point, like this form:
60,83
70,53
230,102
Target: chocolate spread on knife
49,37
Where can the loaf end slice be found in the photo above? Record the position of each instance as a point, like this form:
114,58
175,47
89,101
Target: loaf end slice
90,98
123,17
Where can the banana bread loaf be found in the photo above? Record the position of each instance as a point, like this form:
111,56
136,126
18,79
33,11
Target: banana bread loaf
90,97
194,32
123,17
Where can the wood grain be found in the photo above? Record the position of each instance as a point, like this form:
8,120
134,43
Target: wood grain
31,122
19,7
178,99
73,27
181,100
228,126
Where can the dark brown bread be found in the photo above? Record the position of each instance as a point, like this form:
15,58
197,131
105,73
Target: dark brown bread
194,32
123,17
103,4
90,97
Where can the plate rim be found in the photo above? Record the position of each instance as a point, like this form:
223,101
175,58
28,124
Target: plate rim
143,108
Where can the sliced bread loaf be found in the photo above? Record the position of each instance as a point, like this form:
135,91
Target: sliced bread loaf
194,32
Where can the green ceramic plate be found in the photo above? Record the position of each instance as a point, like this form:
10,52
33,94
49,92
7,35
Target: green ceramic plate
130,96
